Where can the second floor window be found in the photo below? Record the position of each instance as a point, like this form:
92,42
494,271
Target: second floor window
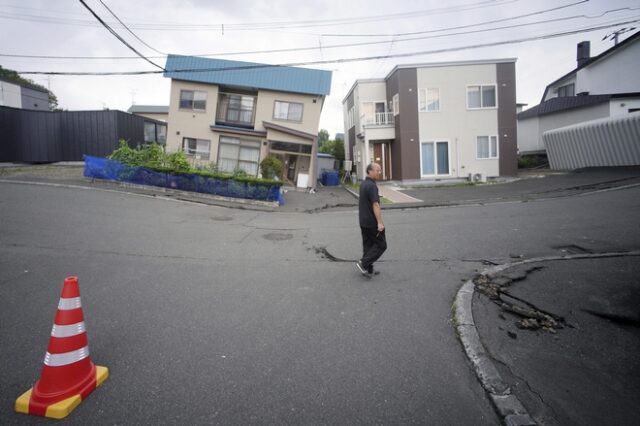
396,104
236,109
193,99
481,96
429,100
567,90
291,111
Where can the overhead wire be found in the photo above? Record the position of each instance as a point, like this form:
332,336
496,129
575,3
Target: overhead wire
343,60
116,35
131,32
344,45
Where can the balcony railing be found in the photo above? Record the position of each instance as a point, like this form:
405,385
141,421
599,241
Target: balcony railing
377,119
236,109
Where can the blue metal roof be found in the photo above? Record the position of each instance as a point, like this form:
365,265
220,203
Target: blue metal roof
248,74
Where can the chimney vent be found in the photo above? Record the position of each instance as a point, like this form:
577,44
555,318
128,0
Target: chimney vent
584,53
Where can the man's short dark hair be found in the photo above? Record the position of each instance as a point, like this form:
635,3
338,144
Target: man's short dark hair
369,167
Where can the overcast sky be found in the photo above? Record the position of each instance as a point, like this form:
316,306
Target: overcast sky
309,29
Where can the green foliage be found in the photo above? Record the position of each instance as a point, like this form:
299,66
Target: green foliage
271,167
532,161
152,156
335,148
323,137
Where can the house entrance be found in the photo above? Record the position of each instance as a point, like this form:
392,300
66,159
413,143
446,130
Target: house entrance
382,156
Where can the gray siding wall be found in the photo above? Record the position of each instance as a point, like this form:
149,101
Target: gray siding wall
43,136
34,99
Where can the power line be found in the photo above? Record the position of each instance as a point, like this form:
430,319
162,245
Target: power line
344,60
344,45
116,35
463,26
264,25
127,28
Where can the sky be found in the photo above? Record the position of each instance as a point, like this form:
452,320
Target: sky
64,36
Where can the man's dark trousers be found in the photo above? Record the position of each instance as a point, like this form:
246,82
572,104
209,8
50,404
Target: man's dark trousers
374,243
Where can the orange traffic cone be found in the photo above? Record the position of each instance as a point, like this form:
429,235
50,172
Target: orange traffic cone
68,375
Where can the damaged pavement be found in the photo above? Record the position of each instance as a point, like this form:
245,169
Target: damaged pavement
563,335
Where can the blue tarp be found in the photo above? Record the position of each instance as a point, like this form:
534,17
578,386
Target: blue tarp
102,168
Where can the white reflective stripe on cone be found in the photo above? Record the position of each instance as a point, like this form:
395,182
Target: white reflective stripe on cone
66,304
68,330
58,360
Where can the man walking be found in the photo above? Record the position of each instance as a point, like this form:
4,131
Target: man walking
374,242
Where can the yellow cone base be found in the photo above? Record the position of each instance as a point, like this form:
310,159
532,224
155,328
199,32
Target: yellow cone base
60,409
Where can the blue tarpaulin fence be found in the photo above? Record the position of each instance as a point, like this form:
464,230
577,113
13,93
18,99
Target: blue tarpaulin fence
102,168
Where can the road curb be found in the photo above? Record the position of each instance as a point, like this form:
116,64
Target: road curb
508,406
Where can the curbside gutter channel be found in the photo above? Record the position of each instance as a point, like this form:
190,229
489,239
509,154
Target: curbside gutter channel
508,406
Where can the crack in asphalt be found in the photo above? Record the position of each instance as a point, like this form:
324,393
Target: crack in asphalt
523,380
531,317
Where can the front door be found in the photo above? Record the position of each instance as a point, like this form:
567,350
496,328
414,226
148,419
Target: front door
291,167
381,156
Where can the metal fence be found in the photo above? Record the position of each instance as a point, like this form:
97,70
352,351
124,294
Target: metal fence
604,142
44,136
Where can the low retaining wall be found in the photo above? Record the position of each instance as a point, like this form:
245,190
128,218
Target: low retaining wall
102,168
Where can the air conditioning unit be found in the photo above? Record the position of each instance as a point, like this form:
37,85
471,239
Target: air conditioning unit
477,178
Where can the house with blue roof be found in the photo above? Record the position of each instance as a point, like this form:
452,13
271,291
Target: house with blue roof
237,113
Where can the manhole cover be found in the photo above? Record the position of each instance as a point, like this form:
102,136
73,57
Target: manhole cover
276,236
222,218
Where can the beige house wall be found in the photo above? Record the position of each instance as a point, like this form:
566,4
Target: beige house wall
310,110
191,124
455,123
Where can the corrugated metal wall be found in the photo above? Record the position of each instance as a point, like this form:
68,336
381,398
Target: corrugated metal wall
44,136
596,143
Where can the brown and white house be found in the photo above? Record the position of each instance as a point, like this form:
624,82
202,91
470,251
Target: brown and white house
236,113
435,121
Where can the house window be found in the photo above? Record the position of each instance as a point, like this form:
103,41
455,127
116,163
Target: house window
154,132
481,96
429,100
290,111
236,109
238,154
374,113
486,147
197,148
567,90
193,99
434,158
396,104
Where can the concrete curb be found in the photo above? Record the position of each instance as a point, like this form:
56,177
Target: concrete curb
508,406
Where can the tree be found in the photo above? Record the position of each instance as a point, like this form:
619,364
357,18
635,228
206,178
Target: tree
12,75
323,137
335,148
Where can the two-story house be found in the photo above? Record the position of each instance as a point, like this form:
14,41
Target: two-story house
434,121
603,86
22,95
236,113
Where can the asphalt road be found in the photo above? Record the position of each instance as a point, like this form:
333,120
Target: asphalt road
206,315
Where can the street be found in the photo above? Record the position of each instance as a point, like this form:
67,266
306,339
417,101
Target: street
209,315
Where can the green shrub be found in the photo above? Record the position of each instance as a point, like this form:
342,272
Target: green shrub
271,167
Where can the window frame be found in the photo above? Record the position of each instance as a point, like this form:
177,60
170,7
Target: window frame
275,103
425,90
193,100
246,143
435,142
396,104
197,155
563,89
481,86
489,147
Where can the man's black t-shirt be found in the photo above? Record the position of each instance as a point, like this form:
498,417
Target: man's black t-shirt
368,195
